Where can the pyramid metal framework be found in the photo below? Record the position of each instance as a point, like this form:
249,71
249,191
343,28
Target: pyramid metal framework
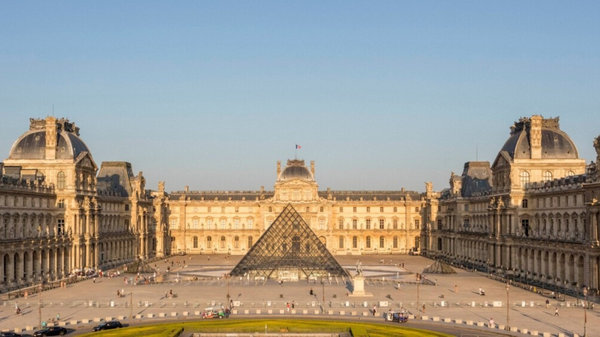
289,245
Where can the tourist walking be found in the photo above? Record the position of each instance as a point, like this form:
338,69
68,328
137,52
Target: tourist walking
556,311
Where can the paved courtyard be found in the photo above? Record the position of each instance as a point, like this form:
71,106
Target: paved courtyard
456,296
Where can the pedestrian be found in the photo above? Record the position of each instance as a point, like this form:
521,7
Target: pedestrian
492,323
556,311
94,280
293,304
456,288
58,317
374,309
288,307
547,303
423,308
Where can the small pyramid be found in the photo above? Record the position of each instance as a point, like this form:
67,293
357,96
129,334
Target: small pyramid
439,268
289,245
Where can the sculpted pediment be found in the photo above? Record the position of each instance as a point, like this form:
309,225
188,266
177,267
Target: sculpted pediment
85,161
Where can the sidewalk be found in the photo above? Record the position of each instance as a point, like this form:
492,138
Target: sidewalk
88,300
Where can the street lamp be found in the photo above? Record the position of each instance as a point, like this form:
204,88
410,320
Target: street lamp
228,296
418,283
507,307
585,292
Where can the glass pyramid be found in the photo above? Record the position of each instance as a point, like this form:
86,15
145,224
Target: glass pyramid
288,249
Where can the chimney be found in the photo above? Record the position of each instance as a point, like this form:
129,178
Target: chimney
312,168
51,137
535,136
278,168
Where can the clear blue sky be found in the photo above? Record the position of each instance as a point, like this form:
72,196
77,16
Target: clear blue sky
381,94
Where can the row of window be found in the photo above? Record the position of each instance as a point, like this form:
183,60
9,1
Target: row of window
307,209
546,176
222,242
369,242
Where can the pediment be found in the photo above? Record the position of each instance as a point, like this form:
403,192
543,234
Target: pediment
85,160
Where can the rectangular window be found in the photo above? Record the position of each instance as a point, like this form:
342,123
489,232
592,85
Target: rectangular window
417,224
321,209
524,203
368,224
381,224
525,226
341,224
466,207
60,227
368,209
321,224
61,203
208,210
126,207
209,224
237,209
395,224
223,223
341,209
173,223
250,223
439,225
195,223
395,209
381,209
236,224
354,224
354,209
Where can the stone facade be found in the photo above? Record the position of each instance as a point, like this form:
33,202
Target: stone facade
348,222
530,216
57,219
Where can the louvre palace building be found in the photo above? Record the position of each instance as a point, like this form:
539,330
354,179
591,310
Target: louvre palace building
532,214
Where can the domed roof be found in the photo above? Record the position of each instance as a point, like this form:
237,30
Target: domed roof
32,144
295,169
555,144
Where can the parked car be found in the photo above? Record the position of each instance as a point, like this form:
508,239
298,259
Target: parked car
9,334
108,325
51,331
213,313
396,317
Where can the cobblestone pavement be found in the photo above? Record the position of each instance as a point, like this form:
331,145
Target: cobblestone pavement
458,292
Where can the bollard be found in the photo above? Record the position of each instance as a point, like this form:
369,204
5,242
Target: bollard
469,322
72,322
150,315
436,319
270,311
534,333
342,312
97,319
447,320
480,324
424,318
246,311
173,314
258,311
458,321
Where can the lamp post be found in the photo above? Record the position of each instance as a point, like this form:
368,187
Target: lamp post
228,296
40,304
418,283
507,307
585,293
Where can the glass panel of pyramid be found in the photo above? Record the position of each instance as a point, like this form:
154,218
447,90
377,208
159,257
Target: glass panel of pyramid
288,247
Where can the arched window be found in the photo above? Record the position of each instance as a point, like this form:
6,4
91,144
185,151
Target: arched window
195,242
250,243
354,242
547,176
341,246
236,242
209,242
381,242
524,179
60,180
368,242
222,242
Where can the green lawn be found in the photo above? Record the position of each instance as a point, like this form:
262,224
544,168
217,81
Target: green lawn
258,325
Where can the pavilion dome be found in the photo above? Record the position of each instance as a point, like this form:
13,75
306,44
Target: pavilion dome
32,144
295,169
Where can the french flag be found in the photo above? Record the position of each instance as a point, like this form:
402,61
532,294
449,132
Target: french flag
298,147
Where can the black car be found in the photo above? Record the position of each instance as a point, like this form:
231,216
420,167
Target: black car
9,334
108,325
51,331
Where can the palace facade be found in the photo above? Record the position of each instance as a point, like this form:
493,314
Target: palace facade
60,214
531,215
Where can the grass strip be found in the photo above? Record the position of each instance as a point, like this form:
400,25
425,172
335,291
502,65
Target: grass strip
271,326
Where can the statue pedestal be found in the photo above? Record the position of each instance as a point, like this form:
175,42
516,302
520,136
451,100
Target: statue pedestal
359,287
